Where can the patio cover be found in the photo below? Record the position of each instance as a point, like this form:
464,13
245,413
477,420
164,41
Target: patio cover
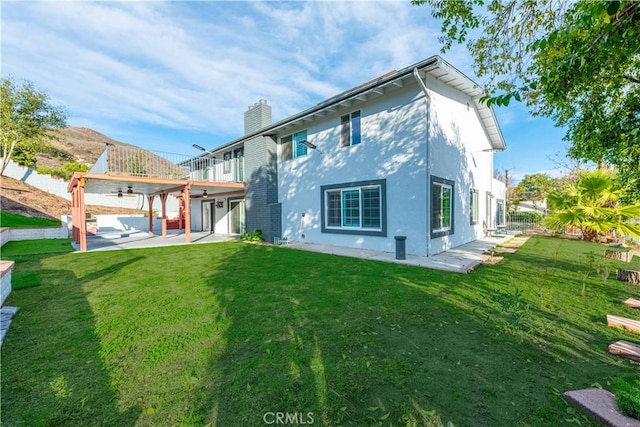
86,182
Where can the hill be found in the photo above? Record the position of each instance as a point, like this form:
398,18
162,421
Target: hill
18,197
77,144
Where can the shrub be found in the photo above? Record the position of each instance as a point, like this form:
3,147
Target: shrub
65,172
256,236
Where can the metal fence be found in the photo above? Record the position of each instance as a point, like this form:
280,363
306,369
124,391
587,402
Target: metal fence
127,160
526,222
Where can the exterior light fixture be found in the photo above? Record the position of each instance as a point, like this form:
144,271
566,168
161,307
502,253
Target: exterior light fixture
119,194
198,147
309,144
130,191
204,194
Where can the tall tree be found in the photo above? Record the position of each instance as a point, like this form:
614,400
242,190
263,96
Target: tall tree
26,120
575,62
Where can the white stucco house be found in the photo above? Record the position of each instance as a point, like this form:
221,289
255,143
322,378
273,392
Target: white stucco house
407,154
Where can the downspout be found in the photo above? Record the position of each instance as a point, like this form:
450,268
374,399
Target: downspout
424,89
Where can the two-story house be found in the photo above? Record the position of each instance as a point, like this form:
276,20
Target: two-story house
407,154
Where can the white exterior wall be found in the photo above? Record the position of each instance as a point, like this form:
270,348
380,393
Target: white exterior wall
221,214
393,147
456,143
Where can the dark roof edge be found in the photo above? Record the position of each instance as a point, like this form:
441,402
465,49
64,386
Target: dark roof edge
334,100
385,79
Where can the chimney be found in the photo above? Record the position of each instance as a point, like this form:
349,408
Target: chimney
257,116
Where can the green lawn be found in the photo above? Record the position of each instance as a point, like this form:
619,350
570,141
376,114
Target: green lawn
225,333
9,219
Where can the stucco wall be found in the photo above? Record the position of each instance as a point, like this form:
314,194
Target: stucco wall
456,143
393,148
396,147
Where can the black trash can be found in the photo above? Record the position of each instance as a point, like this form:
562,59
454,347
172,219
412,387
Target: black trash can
401,250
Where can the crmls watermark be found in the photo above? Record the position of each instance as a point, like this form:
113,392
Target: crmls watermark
288,418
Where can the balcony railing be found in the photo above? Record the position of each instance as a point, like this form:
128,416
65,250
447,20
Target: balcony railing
126,160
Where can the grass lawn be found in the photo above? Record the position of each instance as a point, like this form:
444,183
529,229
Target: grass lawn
225,333
9,219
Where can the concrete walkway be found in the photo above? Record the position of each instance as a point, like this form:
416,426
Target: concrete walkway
135,239
461,259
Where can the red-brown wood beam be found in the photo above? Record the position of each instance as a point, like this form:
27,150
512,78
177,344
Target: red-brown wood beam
150,200
82,216
186,195
74,215
163,200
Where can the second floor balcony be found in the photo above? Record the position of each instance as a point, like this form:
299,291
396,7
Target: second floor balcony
132,161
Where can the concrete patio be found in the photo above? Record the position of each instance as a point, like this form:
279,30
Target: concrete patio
135,239
461,259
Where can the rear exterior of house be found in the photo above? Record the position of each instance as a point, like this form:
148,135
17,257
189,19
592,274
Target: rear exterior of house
409,154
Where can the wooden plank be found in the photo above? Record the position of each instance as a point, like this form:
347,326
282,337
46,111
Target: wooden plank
631,276
601,405
624,323
633,303
626,349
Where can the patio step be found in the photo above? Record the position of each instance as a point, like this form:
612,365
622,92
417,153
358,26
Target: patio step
626,349
624,323
633,303
601,405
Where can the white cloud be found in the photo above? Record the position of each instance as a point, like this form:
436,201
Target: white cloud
196,66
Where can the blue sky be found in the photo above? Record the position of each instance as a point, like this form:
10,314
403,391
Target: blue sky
166,75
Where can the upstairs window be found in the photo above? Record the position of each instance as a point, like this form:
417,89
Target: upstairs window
350,129
227,161
292,146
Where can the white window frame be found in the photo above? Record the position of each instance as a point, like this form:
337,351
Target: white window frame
343,228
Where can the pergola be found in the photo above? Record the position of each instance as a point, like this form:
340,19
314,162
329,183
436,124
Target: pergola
150,187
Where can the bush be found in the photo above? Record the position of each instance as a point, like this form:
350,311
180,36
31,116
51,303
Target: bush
256,236
65,172
627,391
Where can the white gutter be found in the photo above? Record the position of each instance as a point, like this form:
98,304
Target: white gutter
423,86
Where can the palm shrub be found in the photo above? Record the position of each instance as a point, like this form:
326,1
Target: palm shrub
593,205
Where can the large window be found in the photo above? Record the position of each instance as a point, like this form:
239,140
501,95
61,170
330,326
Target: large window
474,207
442,192
350,130
355,208
292,146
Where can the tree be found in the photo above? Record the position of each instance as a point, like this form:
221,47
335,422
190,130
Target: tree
593,205
575,62
535,188
26,120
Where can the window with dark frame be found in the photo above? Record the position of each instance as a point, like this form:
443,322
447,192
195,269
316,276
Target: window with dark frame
442,193
292,145
474,207
350,129
499,212
354,208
